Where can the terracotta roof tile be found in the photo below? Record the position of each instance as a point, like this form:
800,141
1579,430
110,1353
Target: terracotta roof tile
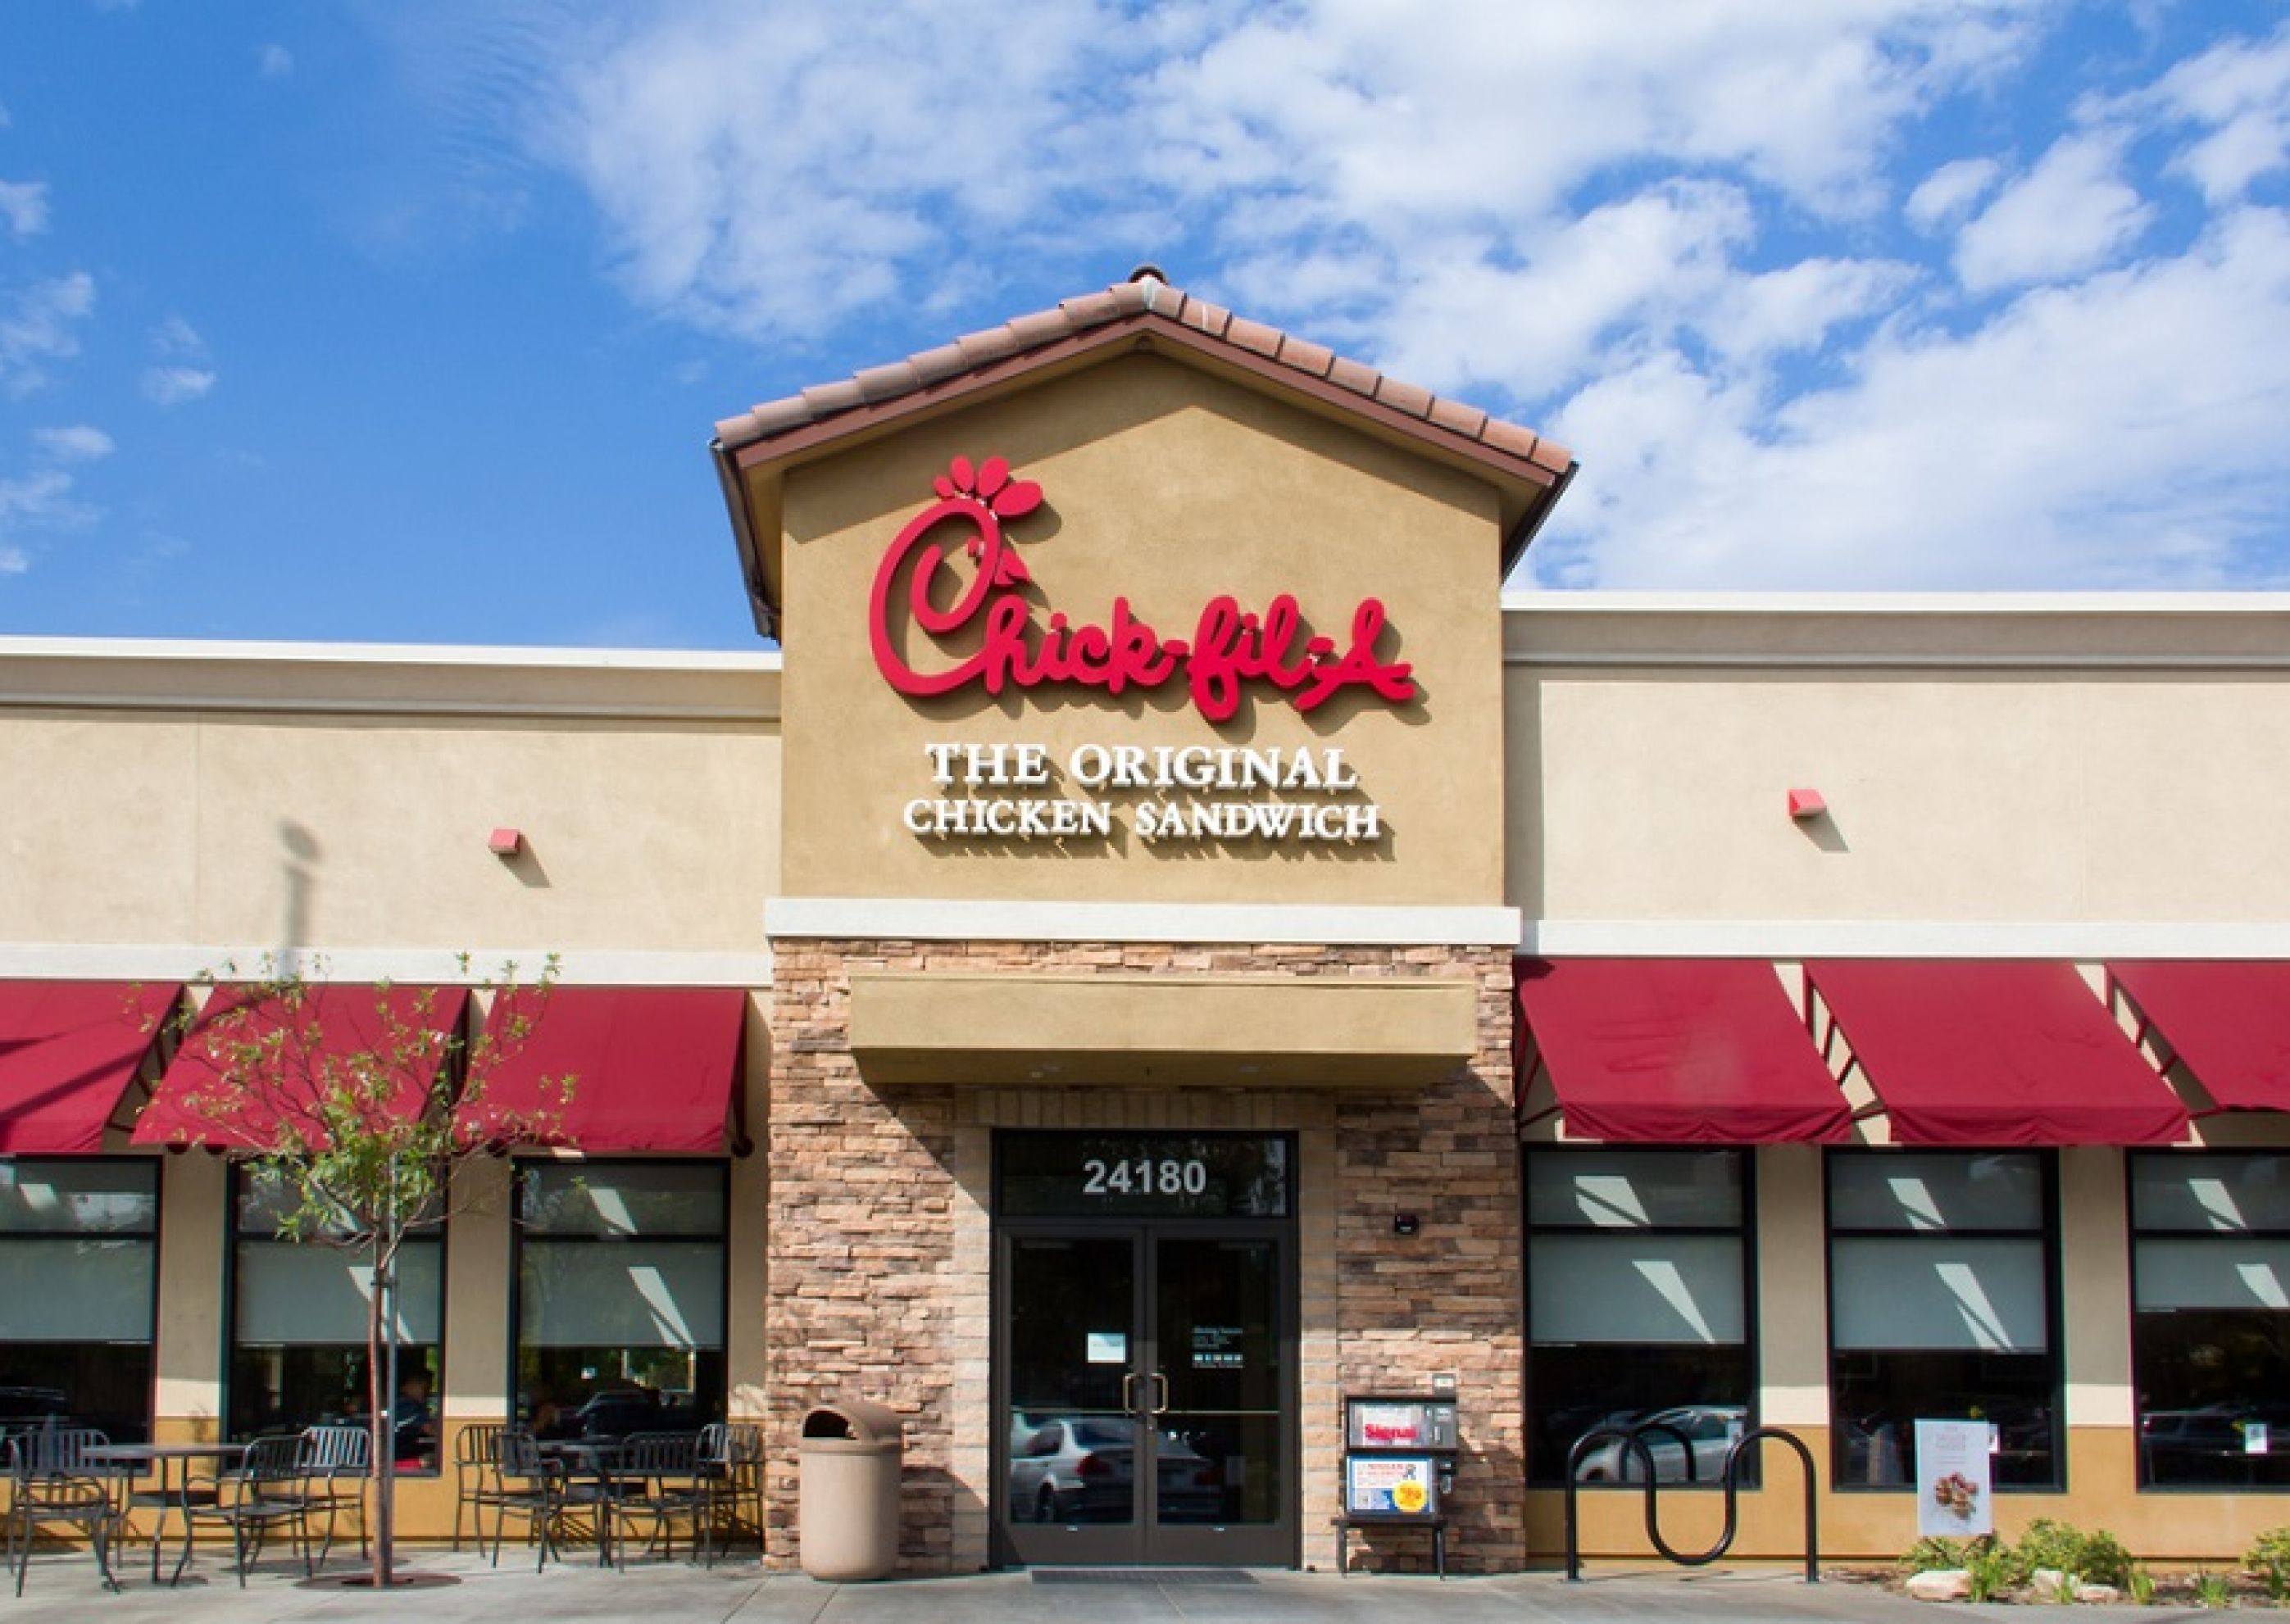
888,382
1090,309
1465,420
1211,319
1041,327
1403,397
826,399
1509,437
1253,335
1314,359
944,362
1551,455
1132,301
1356,376
991,344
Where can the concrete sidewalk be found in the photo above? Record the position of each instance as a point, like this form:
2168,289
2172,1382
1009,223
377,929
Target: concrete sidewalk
64,1590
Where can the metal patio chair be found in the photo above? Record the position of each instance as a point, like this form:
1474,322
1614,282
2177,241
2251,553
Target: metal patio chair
265,1491
51,1486
656,1483
732,1484
335,1464
476,1456
522,1482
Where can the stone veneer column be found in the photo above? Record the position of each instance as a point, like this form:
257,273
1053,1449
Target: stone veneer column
881,1257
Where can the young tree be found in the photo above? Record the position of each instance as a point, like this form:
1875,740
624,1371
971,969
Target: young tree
355,1105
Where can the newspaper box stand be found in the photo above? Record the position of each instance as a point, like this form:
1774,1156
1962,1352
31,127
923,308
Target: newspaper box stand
1399,1465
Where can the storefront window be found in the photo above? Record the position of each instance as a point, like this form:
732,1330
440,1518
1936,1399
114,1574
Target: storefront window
1637,1308
1940,1280
2210,1260
620,1296
299,1318
78,1254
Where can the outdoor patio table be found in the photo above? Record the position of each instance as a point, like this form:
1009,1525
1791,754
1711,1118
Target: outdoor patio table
591,1460
168,1495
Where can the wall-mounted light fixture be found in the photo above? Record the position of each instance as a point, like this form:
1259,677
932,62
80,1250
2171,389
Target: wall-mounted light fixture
1804,803
505,843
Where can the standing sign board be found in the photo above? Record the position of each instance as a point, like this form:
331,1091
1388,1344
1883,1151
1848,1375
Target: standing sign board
1952,1479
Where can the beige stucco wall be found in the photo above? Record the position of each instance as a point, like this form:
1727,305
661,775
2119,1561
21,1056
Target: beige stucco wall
196,806
1167,487
2038,765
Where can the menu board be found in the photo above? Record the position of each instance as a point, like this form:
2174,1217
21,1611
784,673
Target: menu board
1952,1480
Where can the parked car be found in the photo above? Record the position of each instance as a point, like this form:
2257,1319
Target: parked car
1708,1430
22,1407
1083,1468
614,1412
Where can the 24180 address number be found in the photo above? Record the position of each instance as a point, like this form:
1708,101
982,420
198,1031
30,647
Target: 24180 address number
1145,1176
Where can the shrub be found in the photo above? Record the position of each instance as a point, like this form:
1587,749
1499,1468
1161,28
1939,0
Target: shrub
2141,1588
2105,1561
2097,1558
2211,1590
1933,1555
2268,1557
1987,1570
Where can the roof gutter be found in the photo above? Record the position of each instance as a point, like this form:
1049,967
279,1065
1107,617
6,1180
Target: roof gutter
744,536
1530,525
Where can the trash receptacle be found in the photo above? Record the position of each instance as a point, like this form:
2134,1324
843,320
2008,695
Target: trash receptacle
847,1515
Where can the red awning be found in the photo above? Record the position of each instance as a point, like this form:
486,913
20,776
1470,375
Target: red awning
1996,1052
412,1029
651,1067
1678,1052
68,1052
2229,1022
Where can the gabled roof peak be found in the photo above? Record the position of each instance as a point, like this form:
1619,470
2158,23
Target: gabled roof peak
1146,297
753,448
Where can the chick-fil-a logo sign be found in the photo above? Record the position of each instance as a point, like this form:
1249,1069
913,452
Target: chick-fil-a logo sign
1229,647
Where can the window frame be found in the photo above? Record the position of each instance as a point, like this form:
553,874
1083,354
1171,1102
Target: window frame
2046,1232
154,1237
1743,1230
2133,1236
521,1167
233,1187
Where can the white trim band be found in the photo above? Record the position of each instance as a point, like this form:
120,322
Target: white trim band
1802,938
576,966
905,919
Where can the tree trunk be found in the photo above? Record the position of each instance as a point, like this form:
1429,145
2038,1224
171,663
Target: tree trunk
382,1419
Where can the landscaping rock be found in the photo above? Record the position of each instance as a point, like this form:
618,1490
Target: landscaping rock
2098,1593
1939,1585
2045,1584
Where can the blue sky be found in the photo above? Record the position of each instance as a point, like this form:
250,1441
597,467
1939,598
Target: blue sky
408,322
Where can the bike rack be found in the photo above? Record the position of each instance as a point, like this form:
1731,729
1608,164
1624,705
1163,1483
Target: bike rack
1633,1439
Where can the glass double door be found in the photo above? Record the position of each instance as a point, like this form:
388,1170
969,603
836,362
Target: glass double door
1146,1394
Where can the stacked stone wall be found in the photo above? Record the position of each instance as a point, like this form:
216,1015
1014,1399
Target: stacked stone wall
880,1236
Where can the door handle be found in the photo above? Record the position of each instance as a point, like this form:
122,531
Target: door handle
1129,1392
1163,1407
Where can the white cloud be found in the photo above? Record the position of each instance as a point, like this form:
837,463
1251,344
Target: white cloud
40,323
177,339
2239,91
2072,213
773,170
1949,193
172,386
2125,431
39,501
273,62
24,206
180,374
78,442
